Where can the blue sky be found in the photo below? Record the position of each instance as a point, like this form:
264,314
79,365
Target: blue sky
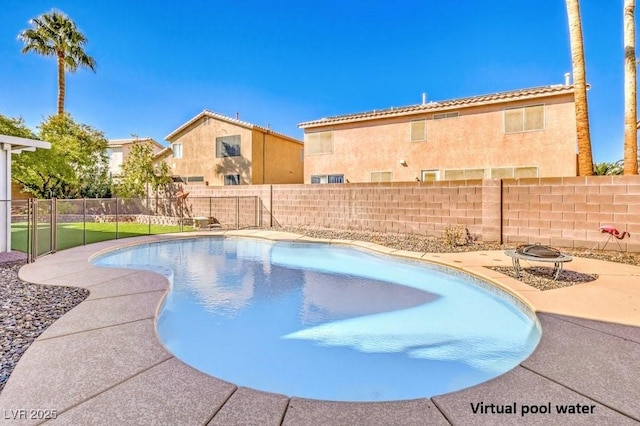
280,63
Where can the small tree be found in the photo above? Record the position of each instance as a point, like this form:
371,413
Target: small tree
75,166
15,127
140,173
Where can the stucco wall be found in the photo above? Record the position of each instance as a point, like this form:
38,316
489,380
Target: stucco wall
199,152
474,139
282,161
17,194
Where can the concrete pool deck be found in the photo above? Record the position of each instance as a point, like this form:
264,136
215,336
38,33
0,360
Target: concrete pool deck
102,363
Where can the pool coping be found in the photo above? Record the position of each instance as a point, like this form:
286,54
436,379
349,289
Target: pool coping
103,363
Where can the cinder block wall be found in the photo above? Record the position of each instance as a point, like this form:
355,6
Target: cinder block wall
565,212
568,212
424,208
410,208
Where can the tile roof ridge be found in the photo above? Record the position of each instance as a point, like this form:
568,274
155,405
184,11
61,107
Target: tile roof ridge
216,115
464,101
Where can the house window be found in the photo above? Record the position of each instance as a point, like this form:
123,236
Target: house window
502,173
177,150
445,115
381,176
430,175
418,130
191,179
115,157
463,174
228,146
319,143
206,120
327,179
525,172
524,119
232,179
115,161
514,172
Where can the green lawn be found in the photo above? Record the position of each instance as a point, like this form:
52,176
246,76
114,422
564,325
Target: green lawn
71,234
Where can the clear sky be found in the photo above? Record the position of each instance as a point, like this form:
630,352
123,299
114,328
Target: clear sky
280,63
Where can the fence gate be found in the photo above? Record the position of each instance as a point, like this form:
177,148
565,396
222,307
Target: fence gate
41,217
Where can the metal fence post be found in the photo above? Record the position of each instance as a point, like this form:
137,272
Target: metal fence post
237,212
54,225
270,206
116,218
255,201
34,245
29,231
84,221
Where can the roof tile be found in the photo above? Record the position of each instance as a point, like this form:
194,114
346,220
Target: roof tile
534,92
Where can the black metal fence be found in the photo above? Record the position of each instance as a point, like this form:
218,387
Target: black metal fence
43,226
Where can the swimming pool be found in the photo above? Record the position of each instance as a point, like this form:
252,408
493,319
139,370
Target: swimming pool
330,322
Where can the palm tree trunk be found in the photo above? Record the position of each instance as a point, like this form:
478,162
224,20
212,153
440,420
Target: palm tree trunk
630,100
61,84
585,159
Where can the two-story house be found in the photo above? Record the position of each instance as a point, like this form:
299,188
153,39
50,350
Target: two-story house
516,134
217,150
119,149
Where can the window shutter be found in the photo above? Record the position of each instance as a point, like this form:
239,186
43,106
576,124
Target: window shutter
319,143
418,130
534,117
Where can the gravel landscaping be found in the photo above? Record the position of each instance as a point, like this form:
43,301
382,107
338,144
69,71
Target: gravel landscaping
26,311
538,277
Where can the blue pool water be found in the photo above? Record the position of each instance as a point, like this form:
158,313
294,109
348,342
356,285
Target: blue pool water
330,322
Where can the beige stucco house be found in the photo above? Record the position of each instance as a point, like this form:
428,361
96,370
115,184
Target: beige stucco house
516,134
119,149
217,150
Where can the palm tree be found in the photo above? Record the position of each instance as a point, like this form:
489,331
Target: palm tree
55,34
585,159
630,102
607,169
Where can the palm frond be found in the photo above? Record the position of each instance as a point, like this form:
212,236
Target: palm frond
55,34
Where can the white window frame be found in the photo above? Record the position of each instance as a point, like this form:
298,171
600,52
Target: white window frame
418,138
310,143
177,150
522,109
435,172
323,179
514,171
236,180
466,170
222,144
381,171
